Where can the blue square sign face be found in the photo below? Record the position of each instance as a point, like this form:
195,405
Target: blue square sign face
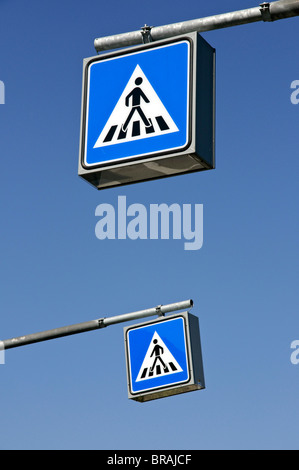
137,104
157,355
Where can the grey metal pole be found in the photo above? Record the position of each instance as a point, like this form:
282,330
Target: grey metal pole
160,310
93,325
264,12
51,334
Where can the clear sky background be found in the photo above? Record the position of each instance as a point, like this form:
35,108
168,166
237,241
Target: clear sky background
71,393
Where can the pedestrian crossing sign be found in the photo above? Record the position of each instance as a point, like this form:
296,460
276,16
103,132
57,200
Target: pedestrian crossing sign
164,357
138,107
132,110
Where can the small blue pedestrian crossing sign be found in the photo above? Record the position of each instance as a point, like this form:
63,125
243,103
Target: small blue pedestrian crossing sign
137,104
159,359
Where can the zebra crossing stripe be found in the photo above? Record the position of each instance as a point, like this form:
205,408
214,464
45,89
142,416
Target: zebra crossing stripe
162,124
110,134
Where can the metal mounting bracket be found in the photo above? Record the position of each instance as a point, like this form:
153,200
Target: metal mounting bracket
146,34
159,311
265,11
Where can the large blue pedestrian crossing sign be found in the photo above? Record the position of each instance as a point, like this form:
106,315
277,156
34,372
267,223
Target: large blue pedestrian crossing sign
132,110
164,357
139,112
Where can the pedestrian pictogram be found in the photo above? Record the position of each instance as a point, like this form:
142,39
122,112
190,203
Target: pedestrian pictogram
138,114
158,361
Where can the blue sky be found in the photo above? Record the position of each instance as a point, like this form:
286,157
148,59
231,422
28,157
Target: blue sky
71,393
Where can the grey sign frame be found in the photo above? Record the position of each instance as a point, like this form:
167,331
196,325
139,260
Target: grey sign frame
198,155
196,380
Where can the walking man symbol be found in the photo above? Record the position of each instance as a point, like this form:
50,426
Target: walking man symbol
136,95
158,351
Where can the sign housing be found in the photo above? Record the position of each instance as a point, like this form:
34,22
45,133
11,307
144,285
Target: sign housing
164,357
148,112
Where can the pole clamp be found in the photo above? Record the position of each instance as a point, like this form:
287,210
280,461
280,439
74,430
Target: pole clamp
146,34
101,322
265,11
159,311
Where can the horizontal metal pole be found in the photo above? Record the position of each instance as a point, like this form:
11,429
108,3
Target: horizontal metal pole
51,334
160,310
264,12
92,325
